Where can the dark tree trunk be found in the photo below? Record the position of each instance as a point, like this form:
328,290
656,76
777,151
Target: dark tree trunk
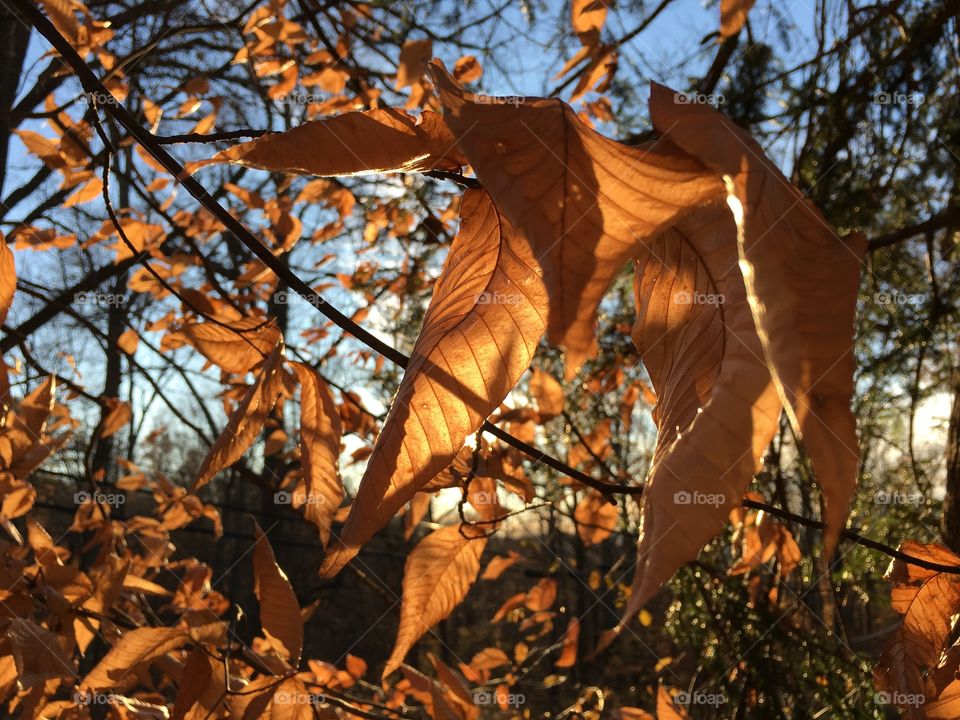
14,36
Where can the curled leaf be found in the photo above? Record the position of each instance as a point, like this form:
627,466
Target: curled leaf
801,280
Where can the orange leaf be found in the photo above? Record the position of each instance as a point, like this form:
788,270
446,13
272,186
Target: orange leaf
467,69
733,15
8,279
802,281
119,414
128,341
279,610
497,565
235,346
320,430
135,647
247,421
478,336
542,595
381,140
596,518
437,575
717,408
585,202
568,656
548,393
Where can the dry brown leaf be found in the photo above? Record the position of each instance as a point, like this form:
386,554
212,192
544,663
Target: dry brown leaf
247,421
733,15
320,430
499,564
717,408
438,573
235,347
119,413
542,595
39,653
279,610
381,140
414,56
802,281
568,655
666,710
585,202
467,69
478,336
908,669
596,518
135,647
128,341
201,688
587,18
8,279
548,393
489,659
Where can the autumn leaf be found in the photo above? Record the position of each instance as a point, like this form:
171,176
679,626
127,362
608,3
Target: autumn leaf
119,413
802,281
541,596
38,652
568,653
8,279
585,202
467,69
499,564
128,341
587,19
909,667
717,409
235,347
279,610
135,647
666,710
320,430
548,393
380,140
596,518
247,421
437,575
478,336
733,15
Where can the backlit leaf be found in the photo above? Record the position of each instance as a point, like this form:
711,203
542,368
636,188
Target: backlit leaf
478,336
